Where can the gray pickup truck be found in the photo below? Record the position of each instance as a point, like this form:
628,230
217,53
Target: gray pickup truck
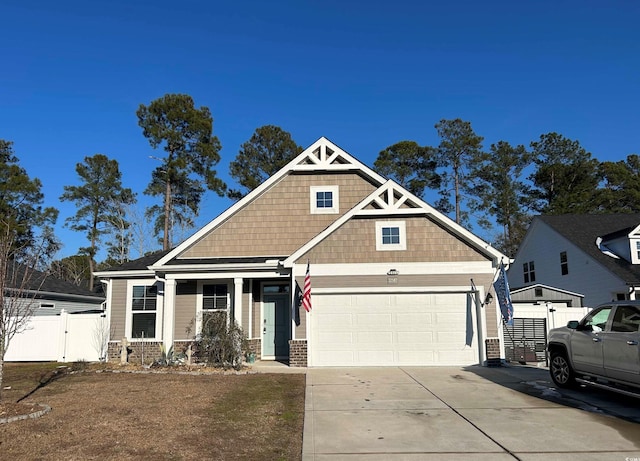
600,350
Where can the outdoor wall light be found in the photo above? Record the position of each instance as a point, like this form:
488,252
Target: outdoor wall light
488,299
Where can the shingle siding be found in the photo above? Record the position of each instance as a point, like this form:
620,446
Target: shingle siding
279,221
355,242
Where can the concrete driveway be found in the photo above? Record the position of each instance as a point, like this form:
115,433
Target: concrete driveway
473,413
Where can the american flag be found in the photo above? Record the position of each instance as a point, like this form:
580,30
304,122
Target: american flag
306,292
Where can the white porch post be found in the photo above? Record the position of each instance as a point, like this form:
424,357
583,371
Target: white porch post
237,301
169,313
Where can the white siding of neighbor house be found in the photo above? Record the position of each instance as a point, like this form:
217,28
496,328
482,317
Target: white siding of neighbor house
68,306
543,246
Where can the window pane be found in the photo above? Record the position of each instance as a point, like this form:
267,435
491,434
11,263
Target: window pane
151,292
324,199
207,303
137,304
138,292
626,320
144,325
390,235
150,305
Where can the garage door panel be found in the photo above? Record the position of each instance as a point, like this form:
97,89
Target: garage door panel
416,358
392,329
413,319
329,338
374,337
374,356
367,319
334,321
414,338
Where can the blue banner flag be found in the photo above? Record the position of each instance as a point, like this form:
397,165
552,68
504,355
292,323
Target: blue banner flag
501,285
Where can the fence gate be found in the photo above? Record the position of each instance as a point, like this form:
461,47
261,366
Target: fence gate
526,340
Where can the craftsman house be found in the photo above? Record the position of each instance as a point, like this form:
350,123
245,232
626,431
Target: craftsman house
393,281
595,255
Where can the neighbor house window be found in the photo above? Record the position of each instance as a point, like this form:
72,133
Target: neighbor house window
638,250
47,306
564,264
324,199
215,304
391,235
144,305
529,272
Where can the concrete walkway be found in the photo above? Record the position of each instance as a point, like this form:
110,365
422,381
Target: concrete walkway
474,413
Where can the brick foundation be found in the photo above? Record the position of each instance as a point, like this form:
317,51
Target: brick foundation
255,346
150,349
298,353
492,346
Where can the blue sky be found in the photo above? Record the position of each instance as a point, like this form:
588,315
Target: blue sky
363,74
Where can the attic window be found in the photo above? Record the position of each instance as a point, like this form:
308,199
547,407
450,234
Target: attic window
391,236
324,199
538,292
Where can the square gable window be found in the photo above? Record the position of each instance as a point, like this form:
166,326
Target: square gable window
324,199
391,236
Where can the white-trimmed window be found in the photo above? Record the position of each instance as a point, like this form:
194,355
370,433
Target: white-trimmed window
44,305
215,305
143,311
391,236
324,199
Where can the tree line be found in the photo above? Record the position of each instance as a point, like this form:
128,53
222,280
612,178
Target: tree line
501,187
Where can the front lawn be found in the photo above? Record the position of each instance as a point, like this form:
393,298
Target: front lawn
155,416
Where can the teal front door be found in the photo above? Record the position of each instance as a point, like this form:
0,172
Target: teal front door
275,326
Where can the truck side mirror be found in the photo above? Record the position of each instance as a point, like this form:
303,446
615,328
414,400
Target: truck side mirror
573,324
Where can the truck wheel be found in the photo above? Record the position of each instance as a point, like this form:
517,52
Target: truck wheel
560,370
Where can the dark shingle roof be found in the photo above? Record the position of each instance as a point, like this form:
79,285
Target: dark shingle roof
42,282
583,230
140,263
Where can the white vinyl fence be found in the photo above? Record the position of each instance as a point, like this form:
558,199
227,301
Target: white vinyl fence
556,315
62,338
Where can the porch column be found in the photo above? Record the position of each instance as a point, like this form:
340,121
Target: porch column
168,317
237,301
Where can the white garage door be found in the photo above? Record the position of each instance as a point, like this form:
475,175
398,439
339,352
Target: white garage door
393,329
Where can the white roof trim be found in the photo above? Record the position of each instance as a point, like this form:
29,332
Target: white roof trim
385,198
114,274
560,290
321,155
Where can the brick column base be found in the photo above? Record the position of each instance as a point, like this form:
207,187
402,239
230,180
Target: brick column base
298,353
255,346
492,346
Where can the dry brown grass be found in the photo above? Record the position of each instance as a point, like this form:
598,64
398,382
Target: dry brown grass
156,416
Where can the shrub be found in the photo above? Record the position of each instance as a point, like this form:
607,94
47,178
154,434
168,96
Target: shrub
222,343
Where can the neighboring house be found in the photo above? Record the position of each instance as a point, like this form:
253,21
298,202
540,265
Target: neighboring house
539,295
51,295
596,255
393,281
66,323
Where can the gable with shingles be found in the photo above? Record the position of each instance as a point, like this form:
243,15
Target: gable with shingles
279,221
427,241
